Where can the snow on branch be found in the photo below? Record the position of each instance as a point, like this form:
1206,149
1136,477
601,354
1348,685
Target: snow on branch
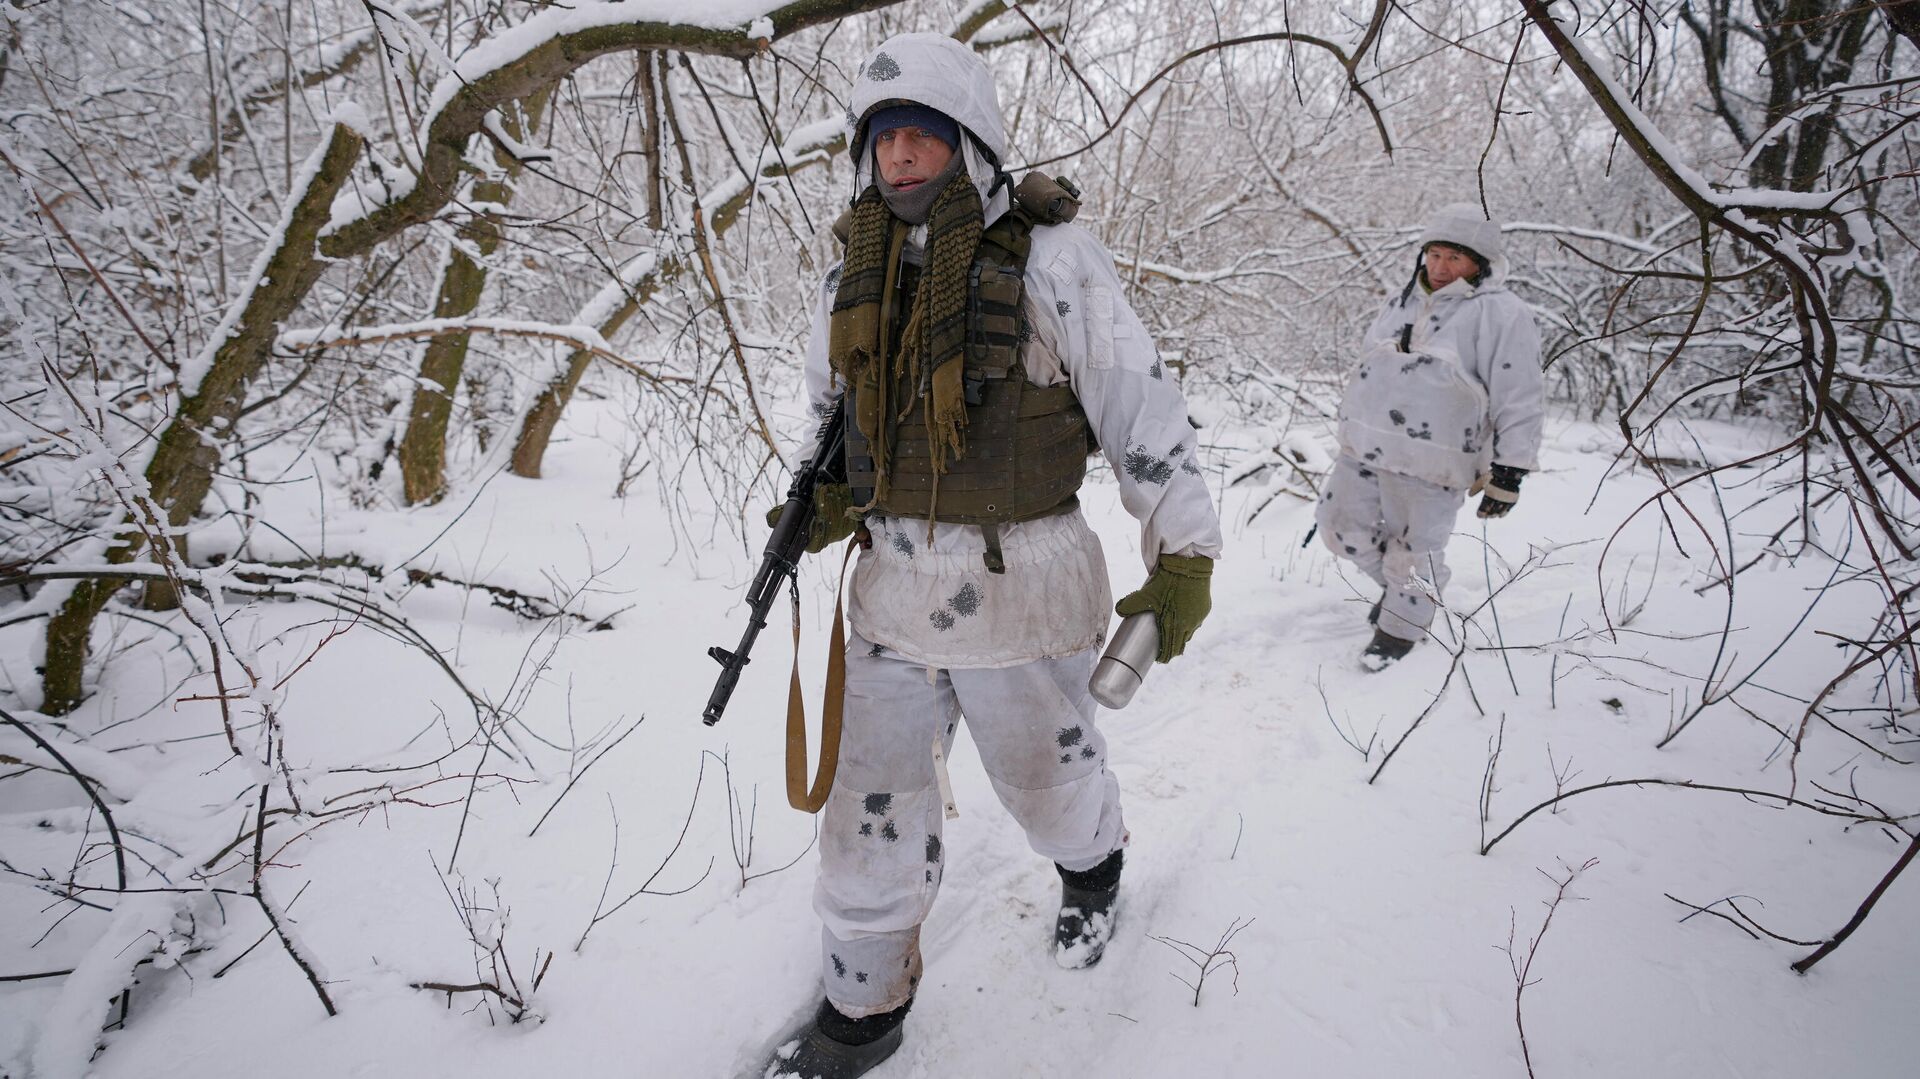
520,61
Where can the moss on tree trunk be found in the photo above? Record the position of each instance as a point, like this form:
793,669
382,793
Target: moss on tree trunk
423,449
180,472
536,429
181,469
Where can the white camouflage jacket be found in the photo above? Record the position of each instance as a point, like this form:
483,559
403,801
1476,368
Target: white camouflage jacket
1402,417
923,590
932,600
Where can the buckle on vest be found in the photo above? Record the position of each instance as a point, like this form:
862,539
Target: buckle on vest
995,560
973,386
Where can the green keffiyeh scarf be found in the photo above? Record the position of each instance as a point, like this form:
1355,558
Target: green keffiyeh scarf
928,362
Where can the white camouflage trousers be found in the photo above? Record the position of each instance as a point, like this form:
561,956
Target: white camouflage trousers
880,848
1395,529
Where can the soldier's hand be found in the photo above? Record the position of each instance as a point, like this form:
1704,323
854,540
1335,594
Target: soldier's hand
1179,592
831,520
1502,491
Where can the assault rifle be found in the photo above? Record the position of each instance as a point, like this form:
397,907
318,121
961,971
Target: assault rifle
781,559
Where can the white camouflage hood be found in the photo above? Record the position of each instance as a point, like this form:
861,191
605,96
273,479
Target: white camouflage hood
1461,224
936,71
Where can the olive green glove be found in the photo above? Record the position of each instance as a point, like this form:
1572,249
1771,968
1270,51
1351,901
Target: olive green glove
831,522
1179,594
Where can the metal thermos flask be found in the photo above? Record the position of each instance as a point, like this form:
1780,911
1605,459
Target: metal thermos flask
1124,666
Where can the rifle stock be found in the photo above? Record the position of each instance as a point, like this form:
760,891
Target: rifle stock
781,558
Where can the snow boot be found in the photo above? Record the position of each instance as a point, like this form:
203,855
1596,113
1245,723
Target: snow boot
1086,913
1384,650
832,1046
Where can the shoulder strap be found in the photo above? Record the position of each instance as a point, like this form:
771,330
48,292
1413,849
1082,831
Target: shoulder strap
1009,239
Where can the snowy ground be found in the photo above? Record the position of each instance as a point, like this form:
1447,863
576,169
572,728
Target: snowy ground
1370,931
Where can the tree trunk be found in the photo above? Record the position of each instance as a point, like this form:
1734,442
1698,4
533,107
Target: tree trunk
423,449
179,474
536,429
181,469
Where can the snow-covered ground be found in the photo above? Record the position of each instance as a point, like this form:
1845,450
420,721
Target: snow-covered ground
1370,928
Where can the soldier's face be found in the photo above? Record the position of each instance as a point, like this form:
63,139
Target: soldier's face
909,156
1445,265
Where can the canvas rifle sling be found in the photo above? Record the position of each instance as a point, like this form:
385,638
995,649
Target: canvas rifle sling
799,795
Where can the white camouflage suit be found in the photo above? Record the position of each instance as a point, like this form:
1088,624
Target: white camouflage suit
935,636
1419,425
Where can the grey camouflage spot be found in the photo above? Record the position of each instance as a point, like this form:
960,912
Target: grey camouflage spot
1063,307
1398,417
966,602
832,283
876,651
878,804
1087,754
941,620
860,977
889,833
1144,467
839,966
901,543
883,68
1069,737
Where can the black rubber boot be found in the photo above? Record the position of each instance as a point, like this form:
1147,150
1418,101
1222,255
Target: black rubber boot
1086,913
1384,650
832,1046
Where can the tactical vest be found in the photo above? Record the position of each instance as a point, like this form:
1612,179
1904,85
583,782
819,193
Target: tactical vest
1026,445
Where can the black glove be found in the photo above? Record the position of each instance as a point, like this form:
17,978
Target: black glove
832,520
1502,491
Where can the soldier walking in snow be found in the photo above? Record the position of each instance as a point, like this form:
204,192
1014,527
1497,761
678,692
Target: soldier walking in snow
983,345
1447,400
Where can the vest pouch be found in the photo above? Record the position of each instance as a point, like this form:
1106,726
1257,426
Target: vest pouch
1026,446
1052,200
993,321
1416,414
